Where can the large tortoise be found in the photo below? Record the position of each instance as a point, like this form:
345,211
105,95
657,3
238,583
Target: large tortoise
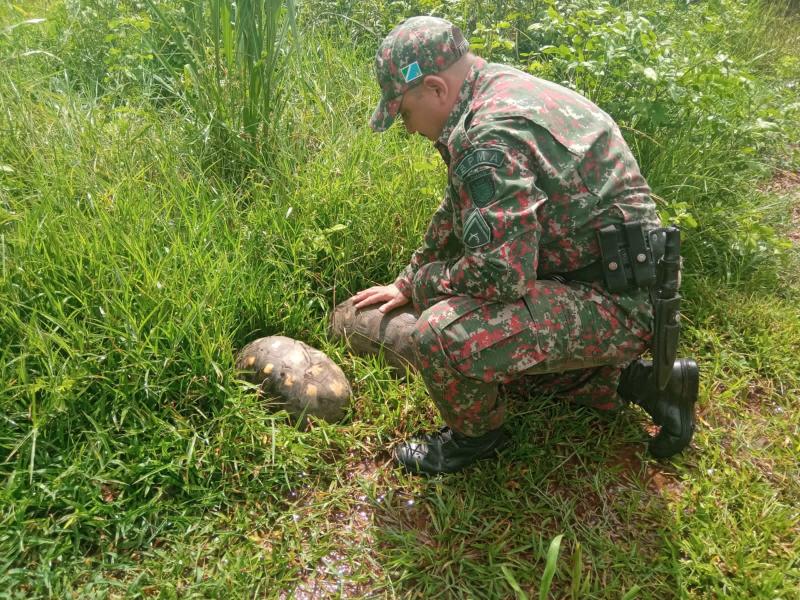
367,331
305,380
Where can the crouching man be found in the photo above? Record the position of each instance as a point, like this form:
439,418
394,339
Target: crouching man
544,260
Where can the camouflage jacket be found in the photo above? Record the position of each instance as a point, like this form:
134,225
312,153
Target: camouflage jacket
533,169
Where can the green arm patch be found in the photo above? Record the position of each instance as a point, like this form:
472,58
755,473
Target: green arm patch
477,232
493,157
481,188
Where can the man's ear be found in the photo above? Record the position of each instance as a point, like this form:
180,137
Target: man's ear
437,85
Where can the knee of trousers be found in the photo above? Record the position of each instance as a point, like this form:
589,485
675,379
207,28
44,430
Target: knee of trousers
427,343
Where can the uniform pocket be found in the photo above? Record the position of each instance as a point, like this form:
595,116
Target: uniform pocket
488,341
555,315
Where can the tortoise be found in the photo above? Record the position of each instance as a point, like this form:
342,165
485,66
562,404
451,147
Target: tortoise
303,379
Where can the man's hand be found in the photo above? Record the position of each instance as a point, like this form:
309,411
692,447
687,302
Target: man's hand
389,294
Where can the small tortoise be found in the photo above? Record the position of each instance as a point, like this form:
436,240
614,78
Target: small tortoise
306,380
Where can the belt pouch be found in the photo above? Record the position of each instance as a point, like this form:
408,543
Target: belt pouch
641,257
613,267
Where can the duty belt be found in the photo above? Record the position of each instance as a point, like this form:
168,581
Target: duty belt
629,258
632,257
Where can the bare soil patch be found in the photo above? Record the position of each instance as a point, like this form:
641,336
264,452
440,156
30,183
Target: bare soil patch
658,478
787,183
352,521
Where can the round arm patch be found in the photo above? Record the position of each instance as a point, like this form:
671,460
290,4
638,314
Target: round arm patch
477,174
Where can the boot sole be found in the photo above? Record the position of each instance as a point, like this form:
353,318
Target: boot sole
669,445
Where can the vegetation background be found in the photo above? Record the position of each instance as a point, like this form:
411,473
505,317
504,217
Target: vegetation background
178,177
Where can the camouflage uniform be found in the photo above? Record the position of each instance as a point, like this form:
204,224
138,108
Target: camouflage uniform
534,169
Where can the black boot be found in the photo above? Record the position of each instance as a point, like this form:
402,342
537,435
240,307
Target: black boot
447,451
671,408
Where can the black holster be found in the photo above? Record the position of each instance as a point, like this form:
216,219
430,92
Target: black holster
667,308
634,258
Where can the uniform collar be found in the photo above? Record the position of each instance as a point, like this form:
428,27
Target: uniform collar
463,101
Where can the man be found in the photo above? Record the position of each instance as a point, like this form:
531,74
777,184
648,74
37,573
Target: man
540,262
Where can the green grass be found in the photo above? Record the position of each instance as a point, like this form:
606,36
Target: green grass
133,464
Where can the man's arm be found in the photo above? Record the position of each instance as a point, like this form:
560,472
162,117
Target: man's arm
439,243
499,200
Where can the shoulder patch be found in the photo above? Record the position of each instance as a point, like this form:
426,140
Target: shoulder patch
482,156
481,187
477,232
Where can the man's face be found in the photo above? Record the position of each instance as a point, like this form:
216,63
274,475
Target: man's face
421,112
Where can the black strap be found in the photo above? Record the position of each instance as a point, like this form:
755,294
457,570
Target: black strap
621,267
592,273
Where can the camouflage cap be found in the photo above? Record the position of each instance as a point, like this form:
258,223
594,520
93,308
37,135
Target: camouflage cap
417,47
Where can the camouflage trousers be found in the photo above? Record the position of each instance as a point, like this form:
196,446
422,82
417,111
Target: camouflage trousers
564,339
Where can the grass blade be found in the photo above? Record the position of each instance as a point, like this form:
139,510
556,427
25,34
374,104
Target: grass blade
513,583
631,593
550,567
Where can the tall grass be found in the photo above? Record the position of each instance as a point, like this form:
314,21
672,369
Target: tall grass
232,81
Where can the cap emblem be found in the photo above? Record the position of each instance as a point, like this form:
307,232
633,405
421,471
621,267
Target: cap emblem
411,72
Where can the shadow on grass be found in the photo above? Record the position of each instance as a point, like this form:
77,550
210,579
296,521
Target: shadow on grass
485,533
